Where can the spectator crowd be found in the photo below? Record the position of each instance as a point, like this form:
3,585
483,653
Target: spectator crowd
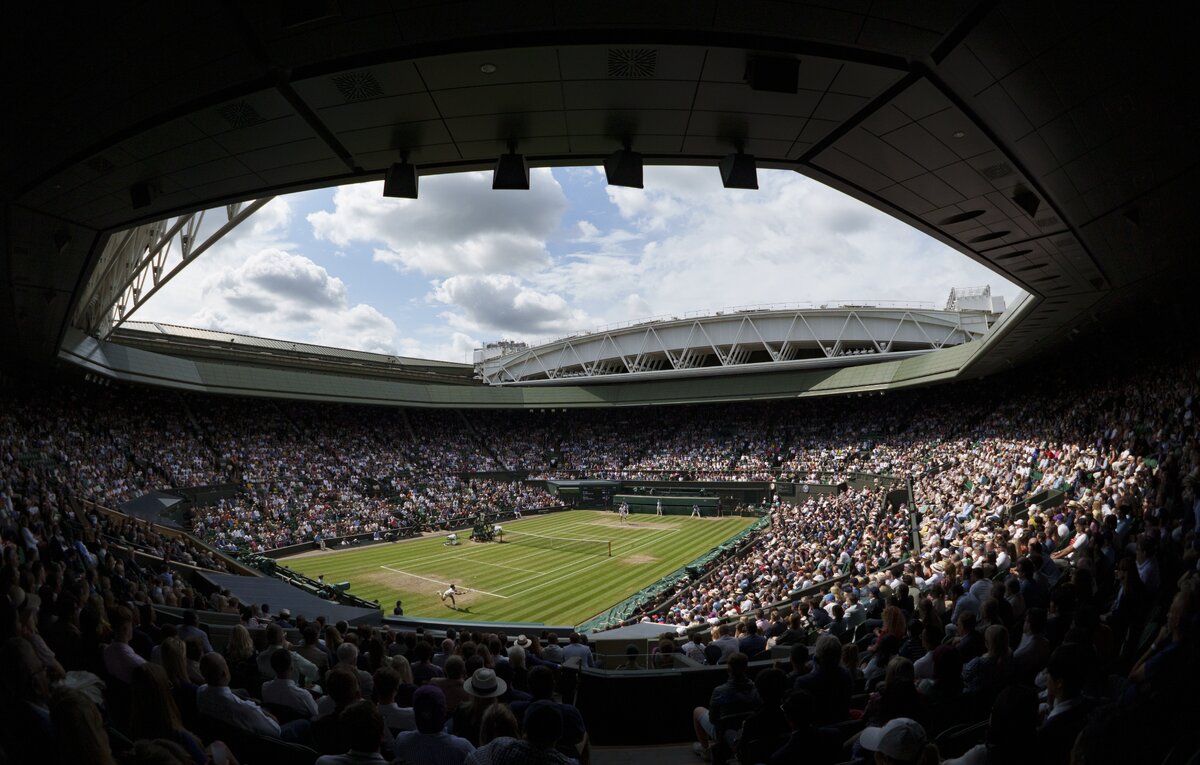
1047,601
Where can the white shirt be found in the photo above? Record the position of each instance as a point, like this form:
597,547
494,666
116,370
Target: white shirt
398,718
219,703
923,667
855,615
286,693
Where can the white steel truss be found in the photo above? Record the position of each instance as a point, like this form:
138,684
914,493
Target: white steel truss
731,343
138,261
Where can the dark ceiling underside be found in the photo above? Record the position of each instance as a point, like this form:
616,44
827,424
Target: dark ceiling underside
1054,142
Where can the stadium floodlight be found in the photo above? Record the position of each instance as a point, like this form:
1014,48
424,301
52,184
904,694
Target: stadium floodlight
738,171
511,171
624,168
401,180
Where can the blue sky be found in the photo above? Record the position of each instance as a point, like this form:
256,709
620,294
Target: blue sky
462,265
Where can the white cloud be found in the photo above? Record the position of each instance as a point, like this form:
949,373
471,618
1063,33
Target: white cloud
458,225
272,275
282,295
682,244
699,246
501,303
459,346
361,327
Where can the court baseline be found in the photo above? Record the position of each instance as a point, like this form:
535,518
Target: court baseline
435,581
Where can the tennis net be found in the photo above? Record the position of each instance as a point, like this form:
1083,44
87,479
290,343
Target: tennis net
570,544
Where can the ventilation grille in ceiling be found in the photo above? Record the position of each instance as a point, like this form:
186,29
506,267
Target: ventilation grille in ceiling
1013,254
632,63
240,114
995,172
357,86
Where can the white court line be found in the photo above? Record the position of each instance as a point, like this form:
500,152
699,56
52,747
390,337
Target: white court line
463,551
466,551
501,565
435,581
583,524
577,570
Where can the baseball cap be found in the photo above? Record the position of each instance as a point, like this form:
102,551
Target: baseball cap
901,739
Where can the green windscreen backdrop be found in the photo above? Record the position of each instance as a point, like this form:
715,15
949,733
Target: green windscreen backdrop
646,503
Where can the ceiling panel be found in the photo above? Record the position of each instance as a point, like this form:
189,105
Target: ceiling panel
533,97
407,136
264,135
880,155
738,97
507,126
915,142
512,66
630,94
852,170
667,62
717,145
379,81
1086,110
734,126
391,110
629,122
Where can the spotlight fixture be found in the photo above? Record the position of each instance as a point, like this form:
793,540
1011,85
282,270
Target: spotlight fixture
738,171
958,134
624,168
487,68
401,180
511,171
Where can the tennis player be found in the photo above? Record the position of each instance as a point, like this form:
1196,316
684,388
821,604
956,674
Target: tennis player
658,507
623,511
450,593
695,511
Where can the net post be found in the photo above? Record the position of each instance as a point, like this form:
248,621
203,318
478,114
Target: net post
610,548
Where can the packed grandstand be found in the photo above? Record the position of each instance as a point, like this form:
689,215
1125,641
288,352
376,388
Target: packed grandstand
1087,607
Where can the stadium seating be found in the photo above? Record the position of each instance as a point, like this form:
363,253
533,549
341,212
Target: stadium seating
1054,488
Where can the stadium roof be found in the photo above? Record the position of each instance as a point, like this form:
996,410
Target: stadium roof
1053,144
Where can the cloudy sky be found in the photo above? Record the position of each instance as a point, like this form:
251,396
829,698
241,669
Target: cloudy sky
463,265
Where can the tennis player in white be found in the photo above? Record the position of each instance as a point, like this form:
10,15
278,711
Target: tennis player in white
450,593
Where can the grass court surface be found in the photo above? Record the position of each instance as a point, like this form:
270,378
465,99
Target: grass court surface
516,582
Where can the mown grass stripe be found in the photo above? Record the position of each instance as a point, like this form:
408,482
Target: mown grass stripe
576,586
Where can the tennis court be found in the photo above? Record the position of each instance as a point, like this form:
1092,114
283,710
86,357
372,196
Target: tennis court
553,569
